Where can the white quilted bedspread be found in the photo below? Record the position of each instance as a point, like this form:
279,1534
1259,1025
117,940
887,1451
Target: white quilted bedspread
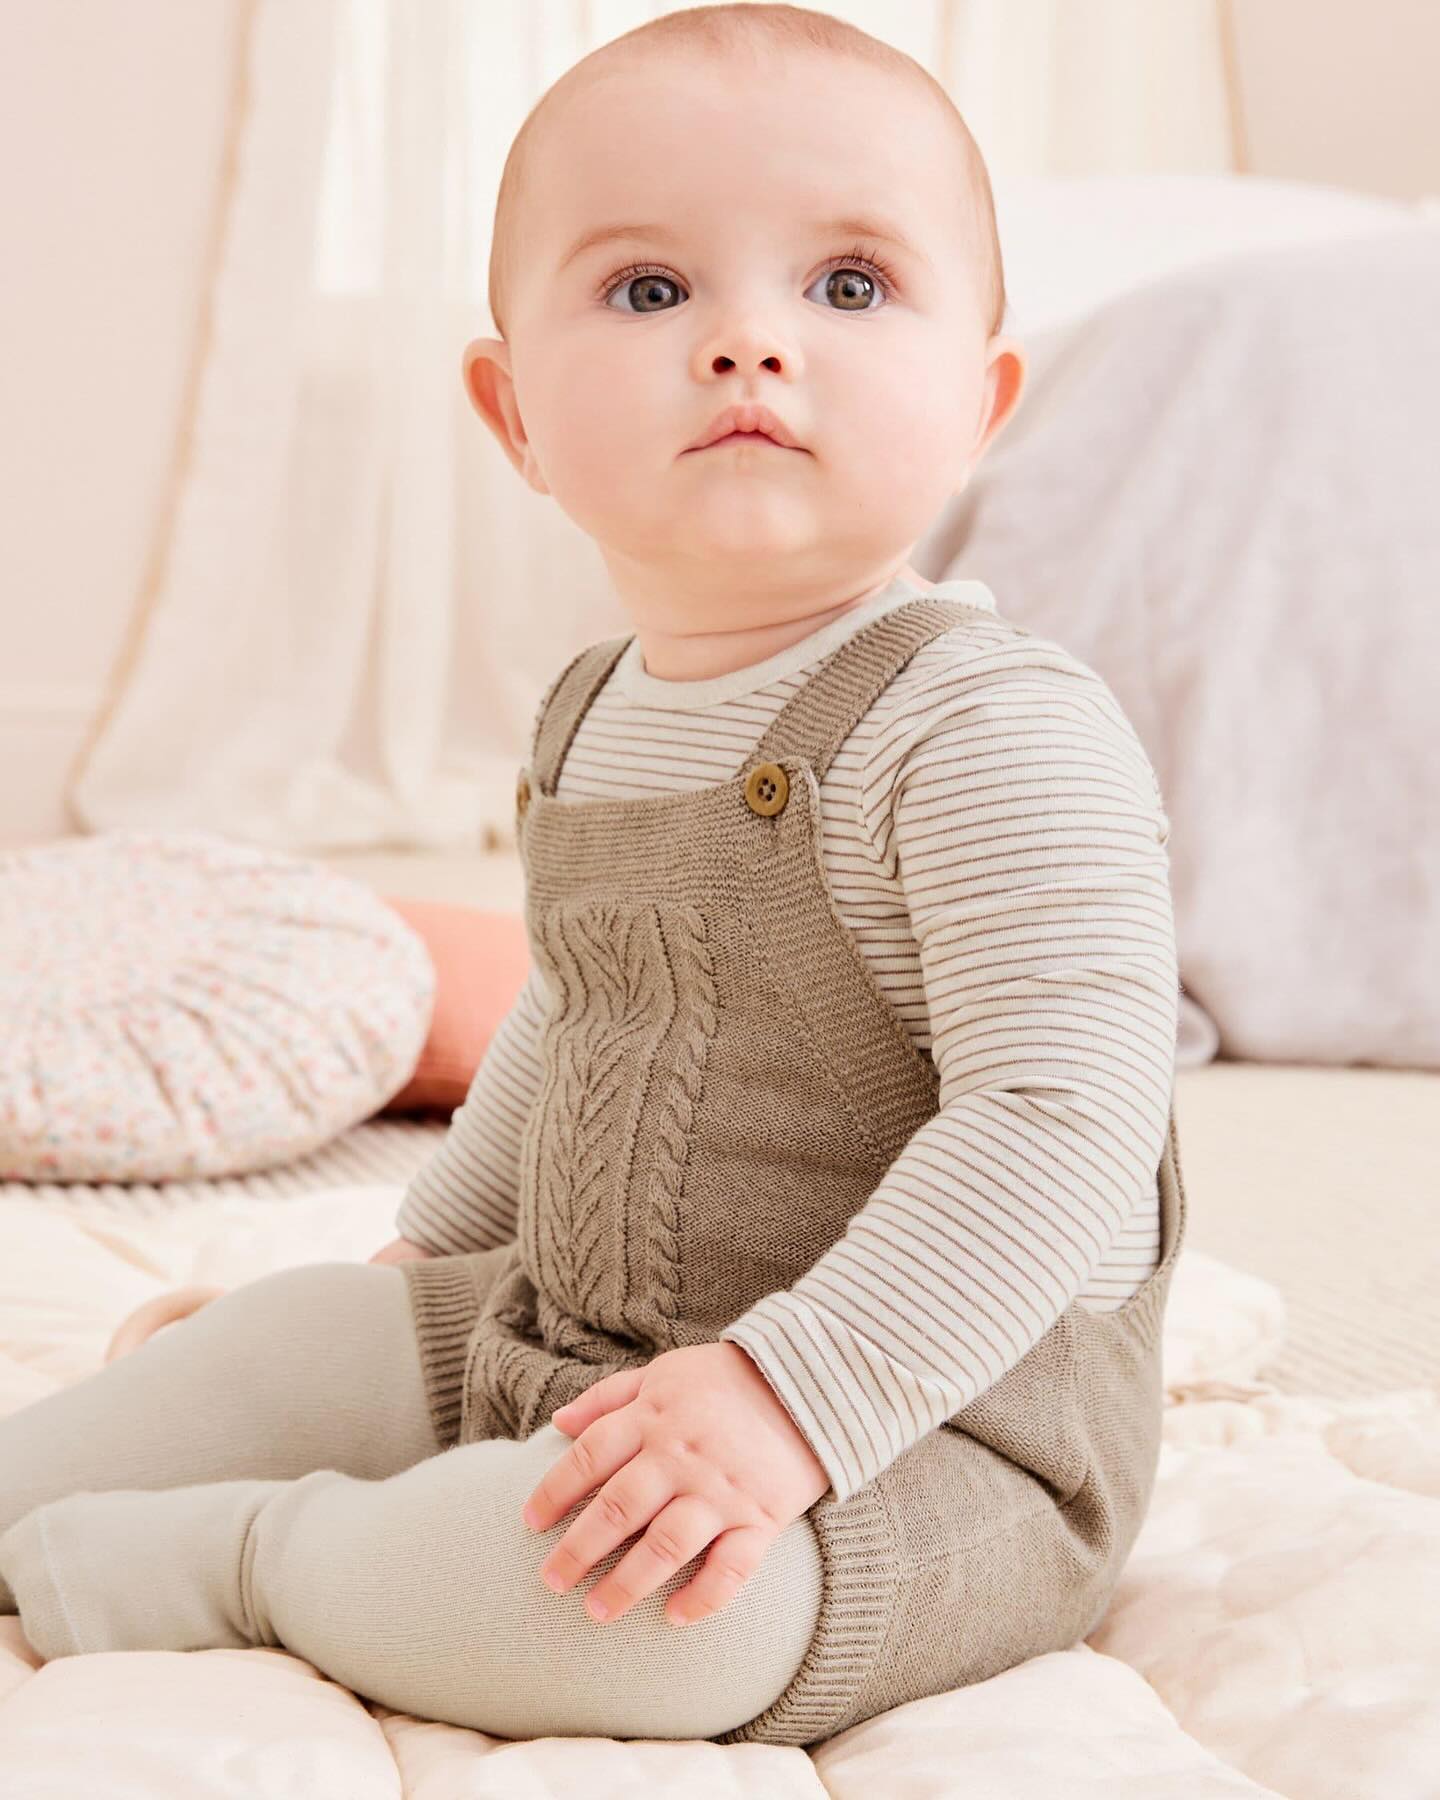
1277,1630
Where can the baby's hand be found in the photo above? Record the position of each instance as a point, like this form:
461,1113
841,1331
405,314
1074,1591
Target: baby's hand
697,1446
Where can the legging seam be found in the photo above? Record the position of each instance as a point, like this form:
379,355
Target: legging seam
48,1558
247,1609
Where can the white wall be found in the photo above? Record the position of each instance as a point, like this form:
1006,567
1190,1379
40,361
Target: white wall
1338,92
110,130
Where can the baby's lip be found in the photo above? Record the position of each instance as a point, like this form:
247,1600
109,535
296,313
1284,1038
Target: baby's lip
756,419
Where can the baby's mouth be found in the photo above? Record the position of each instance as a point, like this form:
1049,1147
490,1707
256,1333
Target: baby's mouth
747,423
744,437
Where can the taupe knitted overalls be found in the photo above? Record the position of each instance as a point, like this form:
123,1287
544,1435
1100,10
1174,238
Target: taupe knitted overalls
724,1086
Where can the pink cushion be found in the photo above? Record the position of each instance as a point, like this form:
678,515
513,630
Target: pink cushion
481,963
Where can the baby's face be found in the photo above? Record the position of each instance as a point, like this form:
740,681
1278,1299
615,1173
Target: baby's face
746,275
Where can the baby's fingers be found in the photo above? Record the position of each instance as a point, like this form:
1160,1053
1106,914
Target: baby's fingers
734,1557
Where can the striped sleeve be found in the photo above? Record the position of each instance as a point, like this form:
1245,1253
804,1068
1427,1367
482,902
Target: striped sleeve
465,1198
1024,821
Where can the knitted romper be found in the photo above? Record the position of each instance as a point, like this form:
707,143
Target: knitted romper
723,1087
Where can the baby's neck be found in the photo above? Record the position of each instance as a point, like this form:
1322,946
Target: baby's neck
699,656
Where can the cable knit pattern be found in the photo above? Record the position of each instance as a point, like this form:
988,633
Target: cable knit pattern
608,969
677,1115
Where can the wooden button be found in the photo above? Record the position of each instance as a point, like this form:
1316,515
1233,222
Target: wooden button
522,793
767,789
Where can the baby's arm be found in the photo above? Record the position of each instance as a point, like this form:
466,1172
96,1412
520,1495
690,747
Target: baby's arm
465,1197
1025,824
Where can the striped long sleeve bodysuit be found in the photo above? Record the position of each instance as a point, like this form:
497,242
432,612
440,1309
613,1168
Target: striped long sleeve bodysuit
994,840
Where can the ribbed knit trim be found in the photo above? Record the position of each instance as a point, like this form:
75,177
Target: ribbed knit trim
861,1581
445,1304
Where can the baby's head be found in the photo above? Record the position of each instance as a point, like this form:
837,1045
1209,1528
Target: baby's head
746,205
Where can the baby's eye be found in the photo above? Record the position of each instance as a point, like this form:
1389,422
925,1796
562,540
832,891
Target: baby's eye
647,287
851,283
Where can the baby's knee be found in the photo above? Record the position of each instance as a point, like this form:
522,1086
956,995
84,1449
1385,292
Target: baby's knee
562,1673
426,1591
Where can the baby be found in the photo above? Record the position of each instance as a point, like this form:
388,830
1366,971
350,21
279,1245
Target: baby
796,1264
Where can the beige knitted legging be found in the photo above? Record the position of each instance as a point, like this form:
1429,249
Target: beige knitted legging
265,1472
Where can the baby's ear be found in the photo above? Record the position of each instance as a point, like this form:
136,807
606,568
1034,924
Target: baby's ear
491,390
1006,367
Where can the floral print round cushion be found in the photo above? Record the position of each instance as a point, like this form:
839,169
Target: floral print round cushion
180,1004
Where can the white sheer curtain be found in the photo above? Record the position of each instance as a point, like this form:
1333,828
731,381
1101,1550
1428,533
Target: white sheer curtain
361,602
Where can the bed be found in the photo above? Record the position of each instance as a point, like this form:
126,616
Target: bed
1277,1630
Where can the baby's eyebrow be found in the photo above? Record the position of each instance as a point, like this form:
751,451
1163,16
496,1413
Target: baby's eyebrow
607,234
853,225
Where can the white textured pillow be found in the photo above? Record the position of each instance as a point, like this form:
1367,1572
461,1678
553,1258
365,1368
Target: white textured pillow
1073,242
1220,492
181,1004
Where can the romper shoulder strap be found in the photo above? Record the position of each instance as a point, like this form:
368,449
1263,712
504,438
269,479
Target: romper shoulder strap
565,704
822,713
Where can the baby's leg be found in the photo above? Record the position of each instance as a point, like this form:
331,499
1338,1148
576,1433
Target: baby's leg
421,1591
314,1367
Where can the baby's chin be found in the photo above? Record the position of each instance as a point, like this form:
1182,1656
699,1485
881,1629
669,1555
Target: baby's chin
741,519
